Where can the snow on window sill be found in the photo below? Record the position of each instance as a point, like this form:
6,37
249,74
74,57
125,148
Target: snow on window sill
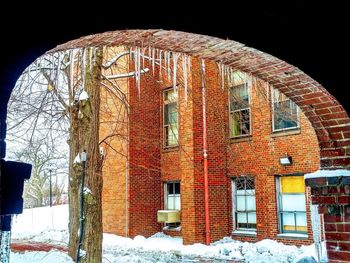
243,233
293,236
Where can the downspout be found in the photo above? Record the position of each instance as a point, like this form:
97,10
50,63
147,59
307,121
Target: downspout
205,157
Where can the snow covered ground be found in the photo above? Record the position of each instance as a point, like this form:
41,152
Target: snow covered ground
49,225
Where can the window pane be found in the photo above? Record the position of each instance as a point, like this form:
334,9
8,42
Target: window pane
241,203
170,189
170,113
285,111
293,202
301,219
171,135
241,217
250,202
171,202
177,202
292,184
177,188
240,183
252,218
170,95
288,221
240,122
239,97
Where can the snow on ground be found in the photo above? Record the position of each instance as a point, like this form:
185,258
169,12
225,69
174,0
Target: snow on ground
49,225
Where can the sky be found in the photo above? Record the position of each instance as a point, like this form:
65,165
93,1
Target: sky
309,36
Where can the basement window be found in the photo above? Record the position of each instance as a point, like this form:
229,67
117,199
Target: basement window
240,119
285,114
170,112
292,204
244,205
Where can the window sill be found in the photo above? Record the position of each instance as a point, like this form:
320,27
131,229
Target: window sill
175,229
285,132
171,148
293,236
244,233
241,139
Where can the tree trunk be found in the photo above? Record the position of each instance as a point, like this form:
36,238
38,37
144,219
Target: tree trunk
85,137
93,200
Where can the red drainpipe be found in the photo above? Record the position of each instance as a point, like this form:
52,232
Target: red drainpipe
205,159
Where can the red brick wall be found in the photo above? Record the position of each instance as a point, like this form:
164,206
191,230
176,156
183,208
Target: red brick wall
144,150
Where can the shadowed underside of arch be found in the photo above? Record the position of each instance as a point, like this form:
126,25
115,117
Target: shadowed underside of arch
326,114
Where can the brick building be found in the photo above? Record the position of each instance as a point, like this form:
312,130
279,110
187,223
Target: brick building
243,163
250,127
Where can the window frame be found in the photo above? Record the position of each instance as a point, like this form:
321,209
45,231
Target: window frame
165,126
234,206
249,89
280,213
273,112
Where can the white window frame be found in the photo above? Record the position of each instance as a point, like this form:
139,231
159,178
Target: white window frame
165,102
280,212
273,113
249,90
234,206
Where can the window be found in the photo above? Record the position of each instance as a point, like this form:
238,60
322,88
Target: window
239,106
285,112
170,118
292,204
172,200
244,203
172,196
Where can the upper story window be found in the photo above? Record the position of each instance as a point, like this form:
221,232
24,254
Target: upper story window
240,119
285,112
171,131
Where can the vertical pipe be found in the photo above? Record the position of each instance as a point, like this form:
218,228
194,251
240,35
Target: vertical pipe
205,158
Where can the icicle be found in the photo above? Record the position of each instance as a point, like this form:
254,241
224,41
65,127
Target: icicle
71,70
143,57
83,67
130,53
90,57
153,59
169,69
175,58
139,70
203,72
160,64
184,70
149,54
166,63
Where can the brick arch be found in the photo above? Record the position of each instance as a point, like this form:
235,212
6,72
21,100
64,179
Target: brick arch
326,114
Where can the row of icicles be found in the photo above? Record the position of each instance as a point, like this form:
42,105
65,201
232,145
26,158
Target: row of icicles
166,61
